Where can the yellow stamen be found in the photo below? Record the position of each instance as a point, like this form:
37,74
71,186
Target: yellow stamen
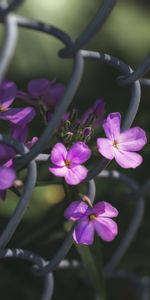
67,163
2,109
92,217
115,144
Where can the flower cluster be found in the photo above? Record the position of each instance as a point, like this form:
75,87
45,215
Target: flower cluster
77,138
74,128
18,120
41,93
121,146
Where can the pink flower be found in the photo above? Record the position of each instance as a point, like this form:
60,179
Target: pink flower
67,164
121,146
97,218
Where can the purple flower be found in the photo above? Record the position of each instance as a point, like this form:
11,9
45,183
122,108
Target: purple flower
6,153
20,133
30,144
7,173
15,115
50,91
67,164
121,146
96,112
7,177
7,94
97,218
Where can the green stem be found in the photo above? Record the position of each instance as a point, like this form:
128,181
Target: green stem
42,112
92,259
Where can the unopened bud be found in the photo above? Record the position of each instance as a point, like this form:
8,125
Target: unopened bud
87,200
18,184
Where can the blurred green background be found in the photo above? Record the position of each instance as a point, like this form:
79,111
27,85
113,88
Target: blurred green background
126,35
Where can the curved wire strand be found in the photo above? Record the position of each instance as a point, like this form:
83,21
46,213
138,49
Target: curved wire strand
38,261
5,8
9,44
90,30
26,194
143,68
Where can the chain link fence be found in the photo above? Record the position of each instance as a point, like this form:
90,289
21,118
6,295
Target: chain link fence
28,159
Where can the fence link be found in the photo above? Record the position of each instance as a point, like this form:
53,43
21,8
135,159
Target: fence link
29,159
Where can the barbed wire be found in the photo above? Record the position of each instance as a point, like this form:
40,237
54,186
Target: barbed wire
29,158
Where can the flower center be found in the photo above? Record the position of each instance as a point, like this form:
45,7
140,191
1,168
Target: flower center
2,109
115,144
67,163
92,217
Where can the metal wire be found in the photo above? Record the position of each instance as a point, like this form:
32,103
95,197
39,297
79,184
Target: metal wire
35,259
30,159
25,197
91,29
9,45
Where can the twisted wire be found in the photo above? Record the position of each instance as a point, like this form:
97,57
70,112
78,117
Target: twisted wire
29,159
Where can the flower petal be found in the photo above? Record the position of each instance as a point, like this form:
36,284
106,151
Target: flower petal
19,116
58,171
38,87
8,163
132,139
105,209
106,228
6,153
25,96
58,155
97,111
105,147
54,94
76,174
30,144
111,126
7,177
86,116
19,133
75,210
7,93
84,232
127,159
79,153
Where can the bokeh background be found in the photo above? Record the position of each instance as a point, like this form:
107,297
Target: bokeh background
126,35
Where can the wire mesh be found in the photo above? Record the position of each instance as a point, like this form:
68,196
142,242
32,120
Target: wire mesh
29,159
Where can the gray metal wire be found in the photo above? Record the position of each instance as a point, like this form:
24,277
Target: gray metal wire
30,159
